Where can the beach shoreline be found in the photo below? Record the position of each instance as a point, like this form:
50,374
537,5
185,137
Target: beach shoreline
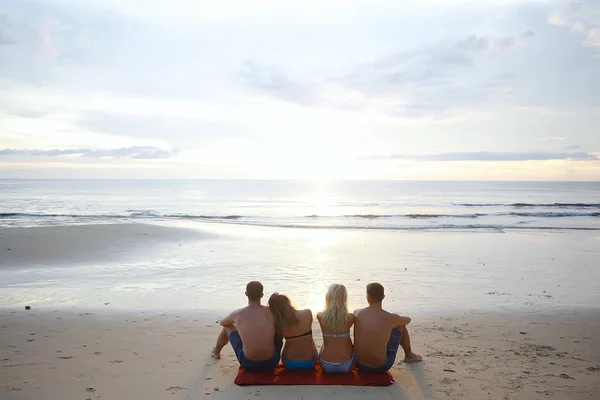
192,265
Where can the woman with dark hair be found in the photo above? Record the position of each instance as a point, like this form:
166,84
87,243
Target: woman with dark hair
299,351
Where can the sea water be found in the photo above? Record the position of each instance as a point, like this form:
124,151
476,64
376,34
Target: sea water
436,246
306,204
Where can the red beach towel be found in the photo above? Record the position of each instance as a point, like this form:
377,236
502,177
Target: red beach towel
284,376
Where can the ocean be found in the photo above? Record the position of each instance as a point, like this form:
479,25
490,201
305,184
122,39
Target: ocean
438,247
326,205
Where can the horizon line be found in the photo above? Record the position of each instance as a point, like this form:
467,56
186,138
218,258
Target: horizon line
299,180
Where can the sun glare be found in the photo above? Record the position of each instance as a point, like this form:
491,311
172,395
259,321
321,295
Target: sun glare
321,205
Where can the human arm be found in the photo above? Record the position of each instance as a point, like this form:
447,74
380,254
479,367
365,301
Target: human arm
351,319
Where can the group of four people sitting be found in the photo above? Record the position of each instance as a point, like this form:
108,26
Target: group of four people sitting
256,333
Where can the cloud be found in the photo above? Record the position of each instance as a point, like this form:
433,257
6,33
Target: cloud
528,34
505,43
557,19
4,36
135,152
417,82
559,138
549,110
573,147
488,156
276,83
581,17
46,32
593,38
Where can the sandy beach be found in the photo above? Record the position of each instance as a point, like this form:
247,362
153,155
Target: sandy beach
129,311
48,354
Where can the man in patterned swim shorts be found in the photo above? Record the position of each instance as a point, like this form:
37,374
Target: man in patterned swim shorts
378,334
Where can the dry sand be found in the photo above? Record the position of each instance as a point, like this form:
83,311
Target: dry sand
52,354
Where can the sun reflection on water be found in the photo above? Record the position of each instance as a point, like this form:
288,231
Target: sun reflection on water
321,202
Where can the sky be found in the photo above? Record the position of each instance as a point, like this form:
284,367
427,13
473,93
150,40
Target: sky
286,89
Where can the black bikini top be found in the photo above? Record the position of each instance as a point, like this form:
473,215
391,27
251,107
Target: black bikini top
297,336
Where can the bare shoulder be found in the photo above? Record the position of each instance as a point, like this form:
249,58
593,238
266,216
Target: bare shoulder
251,310
391,315
351,317
384,315
265,309
232,317
239,311
395,314
306,314
398,319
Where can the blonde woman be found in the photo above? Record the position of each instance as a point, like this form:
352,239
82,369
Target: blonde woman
337,354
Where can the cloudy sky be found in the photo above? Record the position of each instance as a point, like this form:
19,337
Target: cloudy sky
338,89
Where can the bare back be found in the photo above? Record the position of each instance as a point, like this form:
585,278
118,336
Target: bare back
372,330
298,345
257,329
337,349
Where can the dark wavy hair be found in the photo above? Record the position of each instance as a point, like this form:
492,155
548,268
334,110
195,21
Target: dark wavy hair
283,311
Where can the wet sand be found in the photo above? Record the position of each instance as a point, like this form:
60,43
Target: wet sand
206,266
84,244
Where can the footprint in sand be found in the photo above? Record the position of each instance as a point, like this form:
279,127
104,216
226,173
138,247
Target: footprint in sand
565,376
174,389
116,361
11,389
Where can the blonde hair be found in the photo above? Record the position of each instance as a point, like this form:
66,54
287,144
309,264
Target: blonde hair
335,314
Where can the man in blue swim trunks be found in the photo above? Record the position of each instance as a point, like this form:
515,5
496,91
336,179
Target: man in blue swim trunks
378,334
251,332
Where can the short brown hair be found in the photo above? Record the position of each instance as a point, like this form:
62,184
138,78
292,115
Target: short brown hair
375,292
254,290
